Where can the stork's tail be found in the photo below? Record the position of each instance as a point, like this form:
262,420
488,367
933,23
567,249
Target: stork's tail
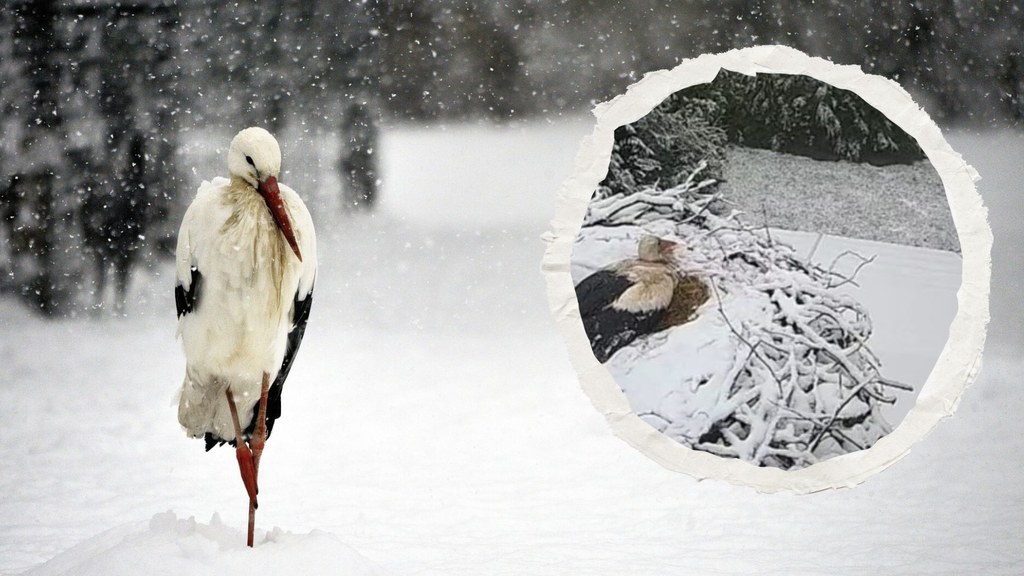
196,407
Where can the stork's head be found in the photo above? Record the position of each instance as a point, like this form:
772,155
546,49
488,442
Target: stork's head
255,157
654,249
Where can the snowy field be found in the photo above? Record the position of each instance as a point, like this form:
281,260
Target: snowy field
433,425
899,204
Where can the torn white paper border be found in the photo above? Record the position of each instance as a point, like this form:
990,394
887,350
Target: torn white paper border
959,362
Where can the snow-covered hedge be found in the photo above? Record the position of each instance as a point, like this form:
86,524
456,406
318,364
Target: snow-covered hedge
801,115
795,380
663,148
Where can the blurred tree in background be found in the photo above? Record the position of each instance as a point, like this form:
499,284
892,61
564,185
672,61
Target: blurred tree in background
82,81
81,78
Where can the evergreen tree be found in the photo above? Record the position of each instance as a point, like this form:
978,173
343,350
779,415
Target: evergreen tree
664,147
801,115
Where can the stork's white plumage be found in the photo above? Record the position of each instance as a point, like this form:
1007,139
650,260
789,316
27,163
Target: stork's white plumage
246,264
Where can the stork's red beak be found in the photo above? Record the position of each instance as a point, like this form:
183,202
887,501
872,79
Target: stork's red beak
667,246
272,196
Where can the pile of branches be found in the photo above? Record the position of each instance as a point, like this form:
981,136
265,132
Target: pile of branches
804,385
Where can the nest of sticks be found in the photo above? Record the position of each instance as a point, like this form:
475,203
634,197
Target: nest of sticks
690,294
804,385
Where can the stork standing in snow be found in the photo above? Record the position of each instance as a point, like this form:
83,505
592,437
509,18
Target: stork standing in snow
246,262
629,299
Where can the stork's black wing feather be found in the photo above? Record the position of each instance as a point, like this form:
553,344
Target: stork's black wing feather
599,290
299,319
186,300
609,329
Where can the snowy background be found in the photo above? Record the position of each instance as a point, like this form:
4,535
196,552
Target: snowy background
434,425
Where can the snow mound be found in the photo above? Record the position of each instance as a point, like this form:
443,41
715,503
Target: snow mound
175,546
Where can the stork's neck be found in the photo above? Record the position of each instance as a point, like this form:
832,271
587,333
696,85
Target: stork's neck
626,267
241,184
250,226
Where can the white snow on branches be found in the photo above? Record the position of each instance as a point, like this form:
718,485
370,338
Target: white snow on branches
776,369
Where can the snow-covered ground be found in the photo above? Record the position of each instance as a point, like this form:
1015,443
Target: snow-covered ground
900,204
433,423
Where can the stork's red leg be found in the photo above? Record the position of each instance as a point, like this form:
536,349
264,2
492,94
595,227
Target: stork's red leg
259,438
259,435
246,465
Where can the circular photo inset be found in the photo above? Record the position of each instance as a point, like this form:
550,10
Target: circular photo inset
768,271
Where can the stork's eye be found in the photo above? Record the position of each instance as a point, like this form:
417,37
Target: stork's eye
249,160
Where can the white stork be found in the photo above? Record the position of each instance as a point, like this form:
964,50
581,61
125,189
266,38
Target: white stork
246,263
620,303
